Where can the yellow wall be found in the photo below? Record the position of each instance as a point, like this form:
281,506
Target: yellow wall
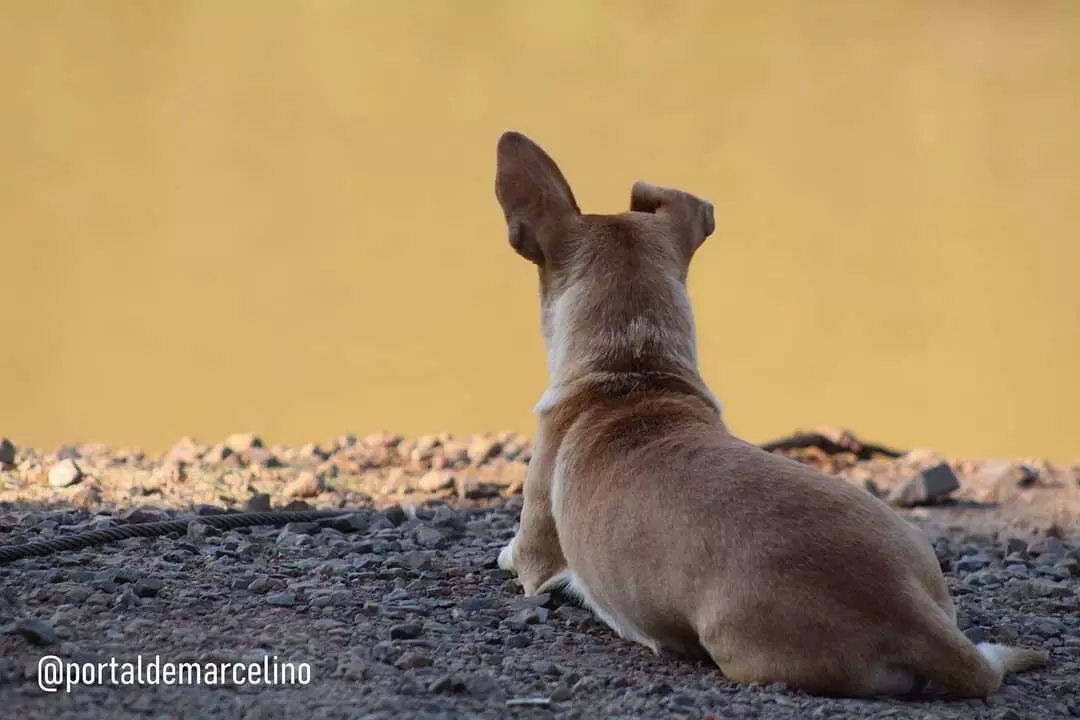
220,215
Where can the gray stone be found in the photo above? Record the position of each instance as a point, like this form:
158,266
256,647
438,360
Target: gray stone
473,489
353,522
929,486
302,528
147,587
259,502
406,631
481,684
137,516
427,536
197,532
37,632
411,660
517,640
1015,545
395,514
259,585
7,452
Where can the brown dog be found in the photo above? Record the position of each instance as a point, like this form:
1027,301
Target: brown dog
677,534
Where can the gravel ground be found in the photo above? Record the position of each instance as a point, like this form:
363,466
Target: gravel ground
398,609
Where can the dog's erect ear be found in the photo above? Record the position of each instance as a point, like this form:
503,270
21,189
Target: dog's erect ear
692,216
534,195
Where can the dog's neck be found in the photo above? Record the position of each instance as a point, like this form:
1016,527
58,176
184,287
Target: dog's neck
619,352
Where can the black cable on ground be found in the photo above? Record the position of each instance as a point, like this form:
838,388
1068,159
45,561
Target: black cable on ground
224,521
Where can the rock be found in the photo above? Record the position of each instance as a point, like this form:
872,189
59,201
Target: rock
67,452
1070,566
975,634
395,514
408,631
418,560
1015,545
427,536
218,454
37,632
517,641
259,502
929,486
456,452
136,516
920,458
435,481
473,489
85,495
260,457
285,599
173,471
1002,481
531,616
197,532
312,451
530,602
482,449
259,585
481,684
239,442
411,660
147,587
546,667
186,451
445,684
386,652
65,474
971,563
302,528
306,484
7,453
1050,546
353,522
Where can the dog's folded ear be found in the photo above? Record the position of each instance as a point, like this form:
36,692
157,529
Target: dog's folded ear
692,216
534,195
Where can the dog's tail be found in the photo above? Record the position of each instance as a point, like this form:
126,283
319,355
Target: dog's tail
942,654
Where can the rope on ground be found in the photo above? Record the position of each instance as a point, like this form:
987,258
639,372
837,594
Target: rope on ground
224,521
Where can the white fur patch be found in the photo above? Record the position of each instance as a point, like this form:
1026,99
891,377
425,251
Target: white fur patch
893,680
506,556
548,400
996,655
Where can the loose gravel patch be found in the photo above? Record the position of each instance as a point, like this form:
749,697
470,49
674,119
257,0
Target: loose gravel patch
397,606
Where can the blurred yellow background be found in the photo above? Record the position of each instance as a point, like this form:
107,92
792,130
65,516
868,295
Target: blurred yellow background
222,216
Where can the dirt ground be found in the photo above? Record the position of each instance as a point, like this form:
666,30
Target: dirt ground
398,609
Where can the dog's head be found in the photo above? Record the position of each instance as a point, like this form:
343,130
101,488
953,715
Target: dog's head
612,287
